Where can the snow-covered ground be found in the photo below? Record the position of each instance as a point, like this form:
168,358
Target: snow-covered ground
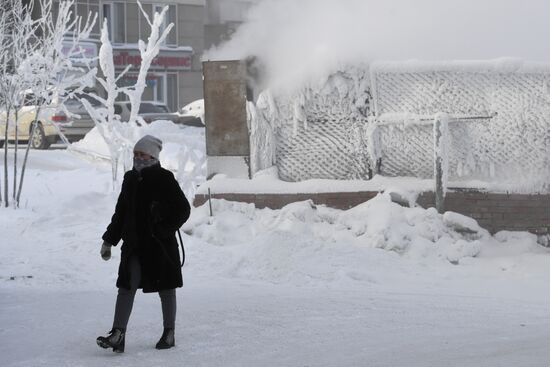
377,285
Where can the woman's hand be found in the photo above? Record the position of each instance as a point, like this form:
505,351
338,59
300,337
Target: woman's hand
105,251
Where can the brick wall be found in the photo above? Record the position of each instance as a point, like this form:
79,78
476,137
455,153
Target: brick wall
495,212
338,200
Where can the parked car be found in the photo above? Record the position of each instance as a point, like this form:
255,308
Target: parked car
193,113
50,121
149,111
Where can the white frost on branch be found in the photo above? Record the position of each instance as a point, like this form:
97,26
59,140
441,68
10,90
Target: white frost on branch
441,146
148,52
119,135
43,65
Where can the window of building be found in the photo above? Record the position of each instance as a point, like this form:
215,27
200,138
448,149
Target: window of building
83,9
115,13
94,9
172,91
161,87
155,90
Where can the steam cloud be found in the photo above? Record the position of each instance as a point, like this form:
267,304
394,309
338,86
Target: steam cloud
298,40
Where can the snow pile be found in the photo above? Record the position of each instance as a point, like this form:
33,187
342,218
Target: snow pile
55,238
267,182
307,243
183,151
194,109
57,230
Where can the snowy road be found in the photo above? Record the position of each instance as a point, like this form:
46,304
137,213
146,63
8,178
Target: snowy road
251,324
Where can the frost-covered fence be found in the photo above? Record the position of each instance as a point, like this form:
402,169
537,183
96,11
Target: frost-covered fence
499,130
511,146
441,136
317,132
440,126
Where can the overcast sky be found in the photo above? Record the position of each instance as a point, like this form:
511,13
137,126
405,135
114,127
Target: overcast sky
310,36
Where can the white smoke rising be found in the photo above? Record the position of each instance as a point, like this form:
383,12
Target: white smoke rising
299,40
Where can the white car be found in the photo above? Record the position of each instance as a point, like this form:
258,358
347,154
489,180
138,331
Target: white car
49,123
195,110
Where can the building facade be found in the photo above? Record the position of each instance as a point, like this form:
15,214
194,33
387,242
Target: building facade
175,76
223,17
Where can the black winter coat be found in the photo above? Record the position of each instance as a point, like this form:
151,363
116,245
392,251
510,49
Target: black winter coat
150,209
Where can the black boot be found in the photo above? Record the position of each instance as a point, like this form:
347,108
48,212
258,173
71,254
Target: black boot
114,340
167,340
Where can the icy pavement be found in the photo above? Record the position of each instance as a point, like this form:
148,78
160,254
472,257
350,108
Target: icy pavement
246,324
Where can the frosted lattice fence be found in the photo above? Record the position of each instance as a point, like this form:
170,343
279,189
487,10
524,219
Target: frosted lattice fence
326,149
319,132
325,132
512,144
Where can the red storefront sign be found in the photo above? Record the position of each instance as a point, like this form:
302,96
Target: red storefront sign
166,60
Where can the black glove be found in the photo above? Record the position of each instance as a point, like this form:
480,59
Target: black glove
105,251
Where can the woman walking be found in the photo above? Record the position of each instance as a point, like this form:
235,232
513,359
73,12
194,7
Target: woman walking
150,209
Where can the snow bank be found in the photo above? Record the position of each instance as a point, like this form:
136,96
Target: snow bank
268,182
195,109
56,234
460,223
306,243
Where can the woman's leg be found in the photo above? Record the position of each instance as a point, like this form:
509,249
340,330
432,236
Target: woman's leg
125,298
168,301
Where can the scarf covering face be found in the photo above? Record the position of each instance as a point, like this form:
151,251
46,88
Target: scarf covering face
140,163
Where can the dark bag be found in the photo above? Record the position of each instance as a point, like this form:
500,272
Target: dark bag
182,250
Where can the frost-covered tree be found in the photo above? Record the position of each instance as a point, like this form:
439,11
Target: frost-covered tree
17,30
40,59
51,71
4,52
107,122
121,135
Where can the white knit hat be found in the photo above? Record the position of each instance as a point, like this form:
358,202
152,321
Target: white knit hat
149,145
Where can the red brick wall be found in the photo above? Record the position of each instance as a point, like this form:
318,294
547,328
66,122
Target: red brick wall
495,212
